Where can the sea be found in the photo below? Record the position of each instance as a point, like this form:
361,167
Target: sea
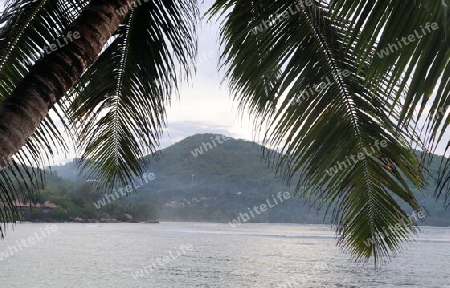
209,255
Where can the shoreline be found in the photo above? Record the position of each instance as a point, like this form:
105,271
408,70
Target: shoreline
201,222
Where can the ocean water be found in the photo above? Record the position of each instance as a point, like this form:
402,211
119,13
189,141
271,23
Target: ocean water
208,255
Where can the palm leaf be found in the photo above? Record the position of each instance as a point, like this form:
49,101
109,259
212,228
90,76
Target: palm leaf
27,26
118,106
419,70
319,130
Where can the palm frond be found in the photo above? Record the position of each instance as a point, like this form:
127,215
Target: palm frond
256,94
118,106
27,27
419,68
317,129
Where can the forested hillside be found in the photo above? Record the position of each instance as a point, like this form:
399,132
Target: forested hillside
205,178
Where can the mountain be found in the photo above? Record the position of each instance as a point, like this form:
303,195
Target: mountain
69,171
209,177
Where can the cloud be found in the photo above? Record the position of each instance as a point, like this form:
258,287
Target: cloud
177,131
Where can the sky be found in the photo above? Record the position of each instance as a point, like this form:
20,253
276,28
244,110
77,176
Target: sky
204,104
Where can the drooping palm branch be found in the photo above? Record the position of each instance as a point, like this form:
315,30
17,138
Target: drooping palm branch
26,28
118,105
315,130
168,33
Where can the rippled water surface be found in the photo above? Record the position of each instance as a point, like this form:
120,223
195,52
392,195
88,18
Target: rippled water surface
209,255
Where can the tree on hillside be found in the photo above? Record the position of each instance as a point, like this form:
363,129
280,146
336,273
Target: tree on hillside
338,84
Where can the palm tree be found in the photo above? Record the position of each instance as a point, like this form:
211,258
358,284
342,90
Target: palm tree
135,54
317,73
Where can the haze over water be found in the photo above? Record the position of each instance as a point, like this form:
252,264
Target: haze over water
250,255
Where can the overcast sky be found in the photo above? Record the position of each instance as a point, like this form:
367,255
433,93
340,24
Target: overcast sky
204,105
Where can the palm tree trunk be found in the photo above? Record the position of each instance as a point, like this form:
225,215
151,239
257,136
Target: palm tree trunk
51,77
